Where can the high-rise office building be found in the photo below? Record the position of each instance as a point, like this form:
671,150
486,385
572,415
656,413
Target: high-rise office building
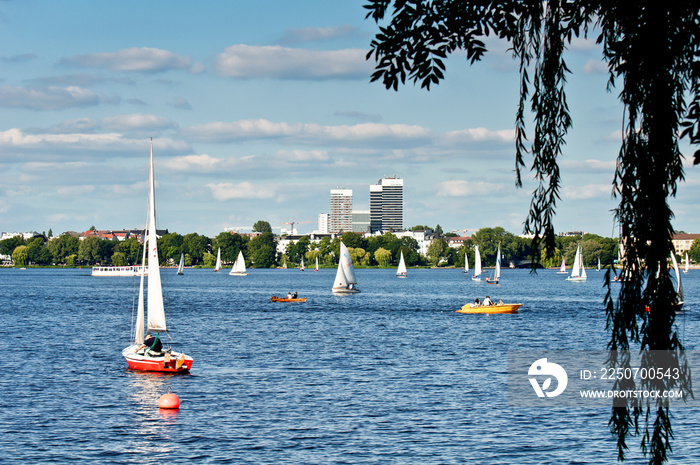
386,205
340,218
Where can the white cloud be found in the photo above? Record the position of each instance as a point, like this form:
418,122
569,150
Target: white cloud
16,139
136,121
306,132
595,67
72,191
247,61
245,190
478,135
584,44
51,98
310,34
590,166
194,163
461,188
588,191
302,155
144,59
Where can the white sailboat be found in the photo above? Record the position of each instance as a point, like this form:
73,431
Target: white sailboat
680,295
139,357
302,264
284,265
497,270
181,266
401,270
466,263
477,264
687,264
238,268
598,264
217,267
578,271
316,269
345,280
562,268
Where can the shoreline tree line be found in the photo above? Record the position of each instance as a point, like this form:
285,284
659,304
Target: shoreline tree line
261,251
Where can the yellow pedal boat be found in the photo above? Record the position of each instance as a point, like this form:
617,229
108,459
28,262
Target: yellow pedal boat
497,308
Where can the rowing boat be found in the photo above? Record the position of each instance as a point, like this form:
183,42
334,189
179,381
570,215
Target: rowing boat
274,298
498,308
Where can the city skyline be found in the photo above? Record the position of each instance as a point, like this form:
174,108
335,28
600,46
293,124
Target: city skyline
258,109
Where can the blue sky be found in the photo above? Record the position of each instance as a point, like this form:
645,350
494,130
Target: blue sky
258,109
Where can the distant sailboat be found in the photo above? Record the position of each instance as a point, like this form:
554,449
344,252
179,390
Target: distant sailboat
316,269
401,270
238,268
477,264
181,266
497,271
302,264
578,272
680,295
217,267
466,263
598,264
687,264
284,265
345,280
562,268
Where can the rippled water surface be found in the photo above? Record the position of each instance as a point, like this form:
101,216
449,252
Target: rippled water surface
391,375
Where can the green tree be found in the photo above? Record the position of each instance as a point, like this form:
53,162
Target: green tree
37,252
694,252
383,257
263,240
208,260
119,259
436,251
89,251
195,246
264,256
651,48
7,246
262,227
20,256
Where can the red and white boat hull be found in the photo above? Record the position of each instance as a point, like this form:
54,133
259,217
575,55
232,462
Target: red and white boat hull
174,362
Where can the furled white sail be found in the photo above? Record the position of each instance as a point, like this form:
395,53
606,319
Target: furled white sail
139,330
156,309
497,274
687,264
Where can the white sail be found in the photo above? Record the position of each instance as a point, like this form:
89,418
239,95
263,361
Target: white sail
156,309
316,269
598,263
466,263
345,280
284,265
181,266
576,269
401,270
562,268
679,284
687,264
217,267
139,330
497,274
239,265
477,262
302,263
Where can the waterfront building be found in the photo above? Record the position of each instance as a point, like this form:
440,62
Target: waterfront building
323,223
683,242
386,205
360,221
340,218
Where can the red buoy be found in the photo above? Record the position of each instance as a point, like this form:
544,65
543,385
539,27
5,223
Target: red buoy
169,400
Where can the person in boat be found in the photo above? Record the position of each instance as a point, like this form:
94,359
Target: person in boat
487,301
152,343
289,295
476,303
294,296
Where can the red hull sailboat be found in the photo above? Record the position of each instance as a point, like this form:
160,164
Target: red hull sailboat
137,355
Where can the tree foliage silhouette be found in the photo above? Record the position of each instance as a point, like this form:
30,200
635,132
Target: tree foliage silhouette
652,48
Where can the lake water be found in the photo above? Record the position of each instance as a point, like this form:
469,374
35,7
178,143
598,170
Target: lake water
391,375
